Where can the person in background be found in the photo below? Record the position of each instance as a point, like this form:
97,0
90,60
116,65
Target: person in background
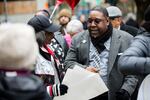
57,35
64,16
82,18
131,20
97,50
18,57
115,16
73,27
136,59
49,64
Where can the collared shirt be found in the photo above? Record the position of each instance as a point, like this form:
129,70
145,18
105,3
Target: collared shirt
100,61
118,28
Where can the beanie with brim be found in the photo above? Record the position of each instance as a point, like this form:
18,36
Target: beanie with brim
114,12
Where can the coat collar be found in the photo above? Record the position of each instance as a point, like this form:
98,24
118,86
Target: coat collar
114,49
85,47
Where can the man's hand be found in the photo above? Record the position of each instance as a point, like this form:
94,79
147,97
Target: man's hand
92,69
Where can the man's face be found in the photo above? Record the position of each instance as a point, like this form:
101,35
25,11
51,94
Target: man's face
97,24
63,20
49,36
116,22
82,18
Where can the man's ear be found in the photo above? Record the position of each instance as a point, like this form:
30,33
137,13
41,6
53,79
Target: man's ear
108,20
120,19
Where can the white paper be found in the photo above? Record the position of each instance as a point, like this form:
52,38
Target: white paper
144,90
83,85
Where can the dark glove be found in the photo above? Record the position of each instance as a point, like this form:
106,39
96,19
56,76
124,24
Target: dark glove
122,95
59,89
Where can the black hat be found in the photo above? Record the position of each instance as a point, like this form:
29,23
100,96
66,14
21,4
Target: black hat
43,12
42,23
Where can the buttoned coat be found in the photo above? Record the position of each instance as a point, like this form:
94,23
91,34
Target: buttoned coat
78,54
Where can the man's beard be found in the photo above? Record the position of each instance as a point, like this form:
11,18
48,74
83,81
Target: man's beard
96,33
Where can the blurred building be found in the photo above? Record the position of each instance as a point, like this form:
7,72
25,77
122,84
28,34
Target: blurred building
20,10
23,10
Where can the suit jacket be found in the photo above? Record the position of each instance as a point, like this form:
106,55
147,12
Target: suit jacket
78,54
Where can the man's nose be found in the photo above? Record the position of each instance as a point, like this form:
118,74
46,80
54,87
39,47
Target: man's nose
93,23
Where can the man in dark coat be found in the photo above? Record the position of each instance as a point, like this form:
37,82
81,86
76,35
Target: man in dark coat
115,16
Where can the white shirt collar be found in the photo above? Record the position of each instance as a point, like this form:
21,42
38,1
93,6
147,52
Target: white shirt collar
119,28
107,43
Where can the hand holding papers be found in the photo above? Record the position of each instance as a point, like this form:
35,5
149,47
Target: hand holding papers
83,85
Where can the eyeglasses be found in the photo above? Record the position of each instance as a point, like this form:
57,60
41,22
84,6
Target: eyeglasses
96,20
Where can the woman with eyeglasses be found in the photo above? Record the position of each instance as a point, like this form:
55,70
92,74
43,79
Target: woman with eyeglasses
49,65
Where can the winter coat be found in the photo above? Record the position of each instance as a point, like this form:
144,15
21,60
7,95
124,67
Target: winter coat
22,87
136,59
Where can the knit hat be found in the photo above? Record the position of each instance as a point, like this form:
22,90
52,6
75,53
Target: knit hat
65,12
114,11
19,48
147,14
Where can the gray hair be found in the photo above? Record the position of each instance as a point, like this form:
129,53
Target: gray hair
40,38
19,48
74,26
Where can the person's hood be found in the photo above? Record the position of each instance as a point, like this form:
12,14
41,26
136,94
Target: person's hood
142,30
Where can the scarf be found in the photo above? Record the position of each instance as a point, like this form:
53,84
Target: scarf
98,42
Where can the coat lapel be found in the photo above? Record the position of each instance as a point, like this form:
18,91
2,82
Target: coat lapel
58,36
84,47
114,49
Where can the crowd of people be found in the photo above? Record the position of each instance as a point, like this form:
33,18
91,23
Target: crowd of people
35,56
